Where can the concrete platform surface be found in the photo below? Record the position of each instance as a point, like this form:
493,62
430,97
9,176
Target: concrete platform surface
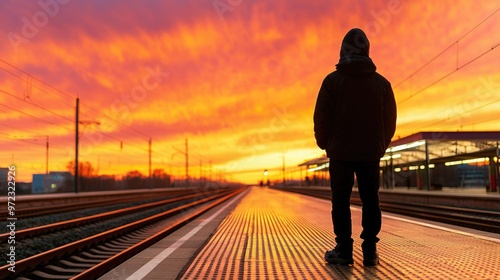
273,234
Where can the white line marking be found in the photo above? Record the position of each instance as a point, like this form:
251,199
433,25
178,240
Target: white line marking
149,266
442,228
409,220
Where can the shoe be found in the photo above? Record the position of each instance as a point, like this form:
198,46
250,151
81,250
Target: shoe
370,255
340,255
370,259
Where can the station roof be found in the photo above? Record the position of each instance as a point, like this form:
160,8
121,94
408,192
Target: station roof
448,136
315,161
444,146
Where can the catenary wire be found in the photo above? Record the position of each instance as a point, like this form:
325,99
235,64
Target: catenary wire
35,117
448,74
36,105
447,48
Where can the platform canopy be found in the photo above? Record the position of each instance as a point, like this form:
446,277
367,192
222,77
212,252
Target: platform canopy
449,148
433,147
316,164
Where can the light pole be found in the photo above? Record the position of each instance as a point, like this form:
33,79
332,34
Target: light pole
149,153
186,155
47,156
77,138
283,169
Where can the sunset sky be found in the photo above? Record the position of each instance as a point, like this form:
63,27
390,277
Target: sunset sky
237,78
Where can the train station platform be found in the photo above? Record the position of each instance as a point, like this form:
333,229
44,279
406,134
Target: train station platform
272,234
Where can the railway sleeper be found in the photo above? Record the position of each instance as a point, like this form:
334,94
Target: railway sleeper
120,243
96,256
77,265
83,260
118,247
44,275
109,249
57,269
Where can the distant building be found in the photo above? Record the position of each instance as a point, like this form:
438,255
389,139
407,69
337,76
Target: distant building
3,180
433,160
52,182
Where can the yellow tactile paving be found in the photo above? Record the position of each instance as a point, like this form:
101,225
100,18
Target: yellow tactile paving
278,235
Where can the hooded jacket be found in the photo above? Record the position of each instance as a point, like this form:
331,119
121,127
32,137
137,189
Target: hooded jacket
355,113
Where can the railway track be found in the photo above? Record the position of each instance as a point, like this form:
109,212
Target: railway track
78,222
470,218
36,211
90,257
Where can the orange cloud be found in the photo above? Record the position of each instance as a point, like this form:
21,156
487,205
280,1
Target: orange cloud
240,83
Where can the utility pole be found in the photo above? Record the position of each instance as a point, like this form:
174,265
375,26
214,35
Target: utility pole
497,168
76,143
47,157
427,170
186,156
393,180
150,144
210,174
201,173
283,157
187,163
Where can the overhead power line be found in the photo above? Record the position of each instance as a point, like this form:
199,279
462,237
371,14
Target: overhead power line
35,117
458,115
121,140
36,105
29,78
447,48
37,79
448,74
118,121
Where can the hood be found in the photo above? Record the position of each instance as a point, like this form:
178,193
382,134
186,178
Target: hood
355,54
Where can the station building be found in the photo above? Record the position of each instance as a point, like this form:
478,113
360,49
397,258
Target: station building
53,182
433,160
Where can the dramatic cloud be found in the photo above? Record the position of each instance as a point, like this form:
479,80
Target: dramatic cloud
238,79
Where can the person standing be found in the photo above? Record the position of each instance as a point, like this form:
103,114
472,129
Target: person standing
354,121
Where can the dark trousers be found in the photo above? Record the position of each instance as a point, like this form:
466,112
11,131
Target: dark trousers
341,182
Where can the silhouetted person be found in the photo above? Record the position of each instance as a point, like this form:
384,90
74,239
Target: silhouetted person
354,121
